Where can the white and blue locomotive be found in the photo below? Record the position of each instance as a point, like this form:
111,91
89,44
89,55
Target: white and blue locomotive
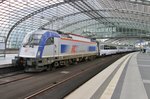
46,49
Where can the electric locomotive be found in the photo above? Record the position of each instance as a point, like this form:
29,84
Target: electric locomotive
46,49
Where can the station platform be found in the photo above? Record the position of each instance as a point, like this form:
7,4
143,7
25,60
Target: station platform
127,78
7,60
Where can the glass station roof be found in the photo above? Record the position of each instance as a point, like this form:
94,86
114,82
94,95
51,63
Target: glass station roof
18,17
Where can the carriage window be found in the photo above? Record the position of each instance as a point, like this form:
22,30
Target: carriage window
50,41
106,47
113,47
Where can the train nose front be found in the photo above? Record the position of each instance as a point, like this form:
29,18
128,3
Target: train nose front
29,52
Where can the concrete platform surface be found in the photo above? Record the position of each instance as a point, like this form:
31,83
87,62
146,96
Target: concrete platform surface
127,78
5,61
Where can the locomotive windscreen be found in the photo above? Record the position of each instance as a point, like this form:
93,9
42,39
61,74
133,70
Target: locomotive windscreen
32,39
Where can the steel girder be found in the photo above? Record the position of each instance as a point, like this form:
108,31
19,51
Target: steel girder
36,12
107,10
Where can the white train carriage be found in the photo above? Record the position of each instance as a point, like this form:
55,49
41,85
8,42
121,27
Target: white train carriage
106,49
121,49
44,49
125,48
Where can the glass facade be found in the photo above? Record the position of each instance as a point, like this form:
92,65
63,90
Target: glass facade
102,18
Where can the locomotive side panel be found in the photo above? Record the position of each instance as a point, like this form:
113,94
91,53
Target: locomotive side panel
69,47
51,49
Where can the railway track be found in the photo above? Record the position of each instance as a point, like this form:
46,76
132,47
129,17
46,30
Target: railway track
14,78
9,69
54,84
53,89
10,74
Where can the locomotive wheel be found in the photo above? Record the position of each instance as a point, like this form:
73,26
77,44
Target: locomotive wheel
70,62
56,64
67,63
49,68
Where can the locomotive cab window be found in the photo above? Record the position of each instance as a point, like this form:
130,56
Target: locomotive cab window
50,41
32,39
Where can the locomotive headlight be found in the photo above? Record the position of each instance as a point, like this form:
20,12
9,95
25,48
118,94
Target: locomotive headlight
38,53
